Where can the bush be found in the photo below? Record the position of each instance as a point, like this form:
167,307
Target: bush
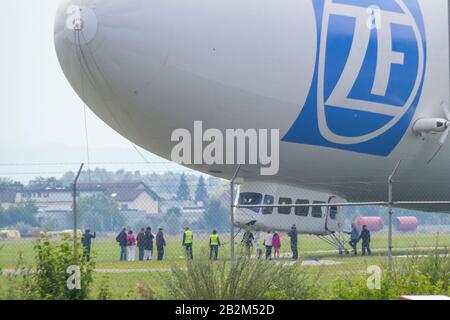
245,280
415,275
104,290
49,277
15,284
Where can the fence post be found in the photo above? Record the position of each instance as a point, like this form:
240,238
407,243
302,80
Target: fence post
232,244
74,210
390,212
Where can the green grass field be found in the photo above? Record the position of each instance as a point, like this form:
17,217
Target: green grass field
123,282
106,250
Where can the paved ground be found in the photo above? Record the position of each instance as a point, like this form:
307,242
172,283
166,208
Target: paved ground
283,263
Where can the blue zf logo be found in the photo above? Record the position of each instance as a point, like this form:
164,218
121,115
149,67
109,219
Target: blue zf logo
368,78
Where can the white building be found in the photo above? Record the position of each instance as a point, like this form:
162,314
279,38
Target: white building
131,196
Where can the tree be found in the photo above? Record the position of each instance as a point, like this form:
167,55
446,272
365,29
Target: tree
99,213
68,178
6,183
183,192
41,182
172,223
4,220
216,216
201,194
22,213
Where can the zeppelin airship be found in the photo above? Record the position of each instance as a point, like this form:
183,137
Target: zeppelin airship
353,87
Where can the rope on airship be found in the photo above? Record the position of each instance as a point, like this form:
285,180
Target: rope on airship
86,132
84,64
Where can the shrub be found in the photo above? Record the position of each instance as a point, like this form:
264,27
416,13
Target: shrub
15,284
415,275
104,290
146,292
246,279
49,279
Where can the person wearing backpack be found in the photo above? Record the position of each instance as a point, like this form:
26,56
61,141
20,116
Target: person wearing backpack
123,242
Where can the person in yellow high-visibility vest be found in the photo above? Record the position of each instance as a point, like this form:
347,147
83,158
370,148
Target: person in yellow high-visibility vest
188,239
214,243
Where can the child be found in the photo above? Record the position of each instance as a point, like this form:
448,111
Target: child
276,243
259,251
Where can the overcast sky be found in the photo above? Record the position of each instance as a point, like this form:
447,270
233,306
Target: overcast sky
38,108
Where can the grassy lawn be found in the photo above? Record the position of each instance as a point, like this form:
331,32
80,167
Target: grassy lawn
123,284
106,250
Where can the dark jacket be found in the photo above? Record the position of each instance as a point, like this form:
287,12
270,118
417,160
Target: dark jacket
354,234
160,241
122,239
248,238
365,236
294,236
141,240
148,240
86,240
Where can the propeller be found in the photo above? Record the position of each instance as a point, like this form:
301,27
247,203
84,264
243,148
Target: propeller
446,130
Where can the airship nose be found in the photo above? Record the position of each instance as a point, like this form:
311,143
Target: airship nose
103,49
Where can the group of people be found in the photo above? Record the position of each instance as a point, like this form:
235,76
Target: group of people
271,242
144,241
214,244
364,237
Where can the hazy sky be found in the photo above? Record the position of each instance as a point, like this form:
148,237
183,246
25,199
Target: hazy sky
37,105
41,117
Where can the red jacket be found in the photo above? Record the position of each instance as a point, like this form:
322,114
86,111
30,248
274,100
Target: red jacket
131,240
276,241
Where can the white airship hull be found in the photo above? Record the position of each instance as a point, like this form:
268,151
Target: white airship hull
155,66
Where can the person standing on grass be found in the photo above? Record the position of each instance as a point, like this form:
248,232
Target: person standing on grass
160,244
294,241
276,243
365,238
122,239
268,243
141,244
247,241
149,244
86,241
258,249
354,238
131,246
188,239
214,244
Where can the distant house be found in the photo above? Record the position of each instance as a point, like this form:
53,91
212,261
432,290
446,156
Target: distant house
131,196
51,199
136,201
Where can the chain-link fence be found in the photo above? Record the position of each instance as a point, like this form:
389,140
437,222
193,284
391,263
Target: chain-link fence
151,203
136,219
